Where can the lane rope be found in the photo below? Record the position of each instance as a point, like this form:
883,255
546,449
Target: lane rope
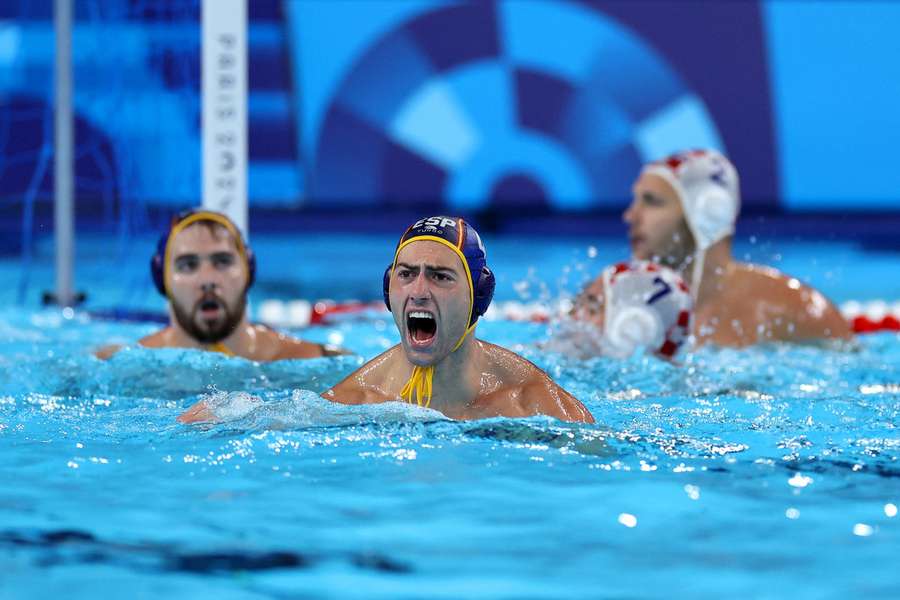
865,317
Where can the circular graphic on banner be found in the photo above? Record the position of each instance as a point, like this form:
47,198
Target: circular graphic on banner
503,104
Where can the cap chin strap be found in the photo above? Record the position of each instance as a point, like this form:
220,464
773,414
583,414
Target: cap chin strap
697,273
220,348
420,383
701,242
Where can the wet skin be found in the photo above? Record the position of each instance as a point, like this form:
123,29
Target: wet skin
738,304
207,283
478,380
657,229
745,304
429,279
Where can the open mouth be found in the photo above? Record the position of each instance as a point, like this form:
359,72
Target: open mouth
210,307
421,326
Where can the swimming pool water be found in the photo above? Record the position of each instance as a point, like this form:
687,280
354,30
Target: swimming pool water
768,472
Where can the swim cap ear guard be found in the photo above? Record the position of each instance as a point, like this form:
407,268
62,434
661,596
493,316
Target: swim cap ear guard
181,221
632,327
708,187
465,241
645,305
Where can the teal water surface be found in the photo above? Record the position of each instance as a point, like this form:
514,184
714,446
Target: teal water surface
766,473
760,473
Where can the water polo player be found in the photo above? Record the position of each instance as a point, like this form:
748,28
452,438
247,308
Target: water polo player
437,287
682,215
631,306
204,268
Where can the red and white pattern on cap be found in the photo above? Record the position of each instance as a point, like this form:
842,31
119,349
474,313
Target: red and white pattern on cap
676,160
872,316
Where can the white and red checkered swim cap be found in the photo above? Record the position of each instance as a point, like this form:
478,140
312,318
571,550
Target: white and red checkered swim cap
707,185
646,305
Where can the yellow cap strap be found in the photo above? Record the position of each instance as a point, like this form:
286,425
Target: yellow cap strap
221,348
463,338
420,382
419,385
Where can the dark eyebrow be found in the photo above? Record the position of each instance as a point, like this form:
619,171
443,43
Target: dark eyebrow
211,255
432,268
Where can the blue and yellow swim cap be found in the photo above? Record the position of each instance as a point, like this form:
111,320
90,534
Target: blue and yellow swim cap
159,260
461,237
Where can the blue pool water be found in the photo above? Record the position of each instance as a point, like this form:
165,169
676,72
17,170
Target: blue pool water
769,472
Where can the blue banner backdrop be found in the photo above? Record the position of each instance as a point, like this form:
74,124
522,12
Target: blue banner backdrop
463,106
488,104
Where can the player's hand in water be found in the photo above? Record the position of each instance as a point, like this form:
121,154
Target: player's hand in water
198,413
106,352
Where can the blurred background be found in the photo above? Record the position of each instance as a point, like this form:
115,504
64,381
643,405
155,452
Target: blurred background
531,117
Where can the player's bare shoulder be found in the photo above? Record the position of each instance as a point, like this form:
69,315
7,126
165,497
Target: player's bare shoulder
371,383
505,365
159,339
522,388
274,345
746,280
797,311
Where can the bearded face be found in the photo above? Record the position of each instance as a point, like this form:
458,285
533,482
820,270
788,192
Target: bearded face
211,319
207,283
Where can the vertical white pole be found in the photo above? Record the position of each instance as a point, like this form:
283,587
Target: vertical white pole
224,121
63,206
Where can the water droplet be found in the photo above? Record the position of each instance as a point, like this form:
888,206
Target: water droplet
800,481
628,520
